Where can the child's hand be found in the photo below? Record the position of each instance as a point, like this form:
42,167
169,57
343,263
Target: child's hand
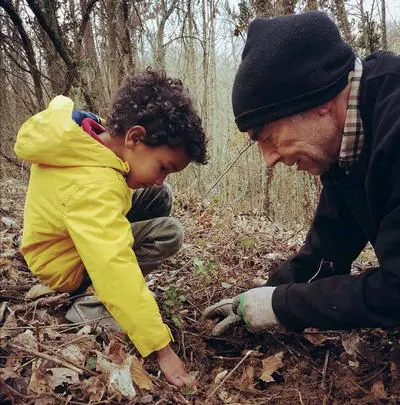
172,367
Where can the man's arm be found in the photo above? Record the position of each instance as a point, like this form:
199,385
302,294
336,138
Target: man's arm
334,237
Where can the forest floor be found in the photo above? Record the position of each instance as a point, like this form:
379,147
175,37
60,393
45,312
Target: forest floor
45,360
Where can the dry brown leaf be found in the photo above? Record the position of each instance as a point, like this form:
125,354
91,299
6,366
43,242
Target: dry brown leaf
38,290
59,376
38,383
351,344
74,354
246,382
10,322
258,282
140,375
312,335
95,388
220,376
270,365
6,373
26,339
226,397
378,389
115,352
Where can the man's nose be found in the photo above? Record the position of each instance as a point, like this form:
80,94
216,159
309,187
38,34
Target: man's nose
271,157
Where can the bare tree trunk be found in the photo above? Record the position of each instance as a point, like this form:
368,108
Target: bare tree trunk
383,25
288,6
128,48
48,21
28,48
166,11
204,109
343,22
311,5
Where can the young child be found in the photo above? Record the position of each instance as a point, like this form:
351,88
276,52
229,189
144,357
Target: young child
79,196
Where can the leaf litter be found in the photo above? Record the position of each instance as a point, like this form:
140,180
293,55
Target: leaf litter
224,254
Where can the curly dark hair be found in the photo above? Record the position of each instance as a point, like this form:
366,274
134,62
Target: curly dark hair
163,107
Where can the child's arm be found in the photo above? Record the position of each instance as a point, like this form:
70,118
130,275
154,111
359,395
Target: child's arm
95,218
172,367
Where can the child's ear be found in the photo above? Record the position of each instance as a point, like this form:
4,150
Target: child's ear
134,135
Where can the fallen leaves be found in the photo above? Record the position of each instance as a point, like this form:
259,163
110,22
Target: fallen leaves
60,376
378,389
317,338
119,379
140,376
270,365
37,291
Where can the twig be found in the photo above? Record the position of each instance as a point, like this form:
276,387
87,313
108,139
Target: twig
323,379
68,326
56,360
38,336
227,376
327,396
245,147
54,353
9,298
41,302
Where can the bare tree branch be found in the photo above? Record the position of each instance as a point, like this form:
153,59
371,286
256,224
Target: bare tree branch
27,45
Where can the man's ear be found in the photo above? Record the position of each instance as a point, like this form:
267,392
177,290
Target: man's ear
134,135
324,109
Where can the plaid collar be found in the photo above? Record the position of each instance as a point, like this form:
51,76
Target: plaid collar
353,133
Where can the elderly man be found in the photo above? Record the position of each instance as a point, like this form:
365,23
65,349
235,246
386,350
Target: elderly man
307,100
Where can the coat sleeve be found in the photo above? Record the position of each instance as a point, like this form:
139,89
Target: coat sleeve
95,220
334,236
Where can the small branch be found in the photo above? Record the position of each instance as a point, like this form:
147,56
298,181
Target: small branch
245,147
45,356
227,376
323,380
54,353
16,163
41,302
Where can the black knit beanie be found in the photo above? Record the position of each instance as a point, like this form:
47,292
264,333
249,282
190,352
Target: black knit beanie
289,64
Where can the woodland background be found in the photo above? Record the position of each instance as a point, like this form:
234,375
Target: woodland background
84,48
238,227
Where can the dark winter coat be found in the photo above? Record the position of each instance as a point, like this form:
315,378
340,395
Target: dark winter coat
362,206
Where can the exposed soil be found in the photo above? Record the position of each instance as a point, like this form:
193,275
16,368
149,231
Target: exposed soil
224,254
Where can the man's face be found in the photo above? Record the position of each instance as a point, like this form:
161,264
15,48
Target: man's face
309,141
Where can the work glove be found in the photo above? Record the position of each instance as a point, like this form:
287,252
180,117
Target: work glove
253,307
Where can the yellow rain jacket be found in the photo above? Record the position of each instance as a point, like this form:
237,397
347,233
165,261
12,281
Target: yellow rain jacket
75,211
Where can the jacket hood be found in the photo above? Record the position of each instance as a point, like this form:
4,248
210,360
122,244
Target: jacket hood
53,138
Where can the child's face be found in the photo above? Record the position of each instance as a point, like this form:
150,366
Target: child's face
150,165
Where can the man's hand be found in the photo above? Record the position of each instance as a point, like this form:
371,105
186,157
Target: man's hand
253,307
172,367
223,310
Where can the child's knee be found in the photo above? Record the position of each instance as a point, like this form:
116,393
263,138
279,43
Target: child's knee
172,232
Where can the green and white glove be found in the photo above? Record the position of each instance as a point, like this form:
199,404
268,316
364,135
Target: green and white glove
254,307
